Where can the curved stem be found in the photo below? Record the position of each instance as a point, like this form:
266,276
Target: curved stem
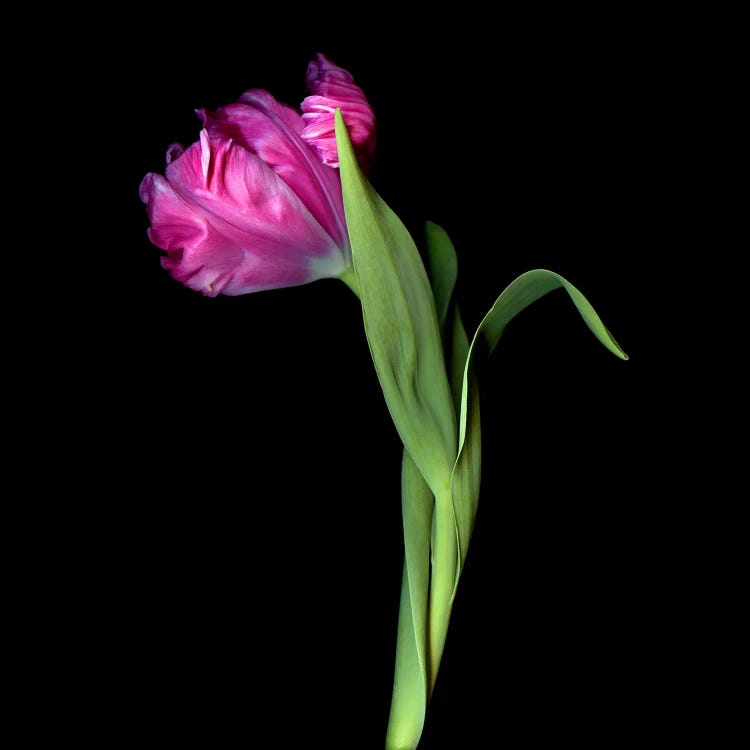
444,560
349,277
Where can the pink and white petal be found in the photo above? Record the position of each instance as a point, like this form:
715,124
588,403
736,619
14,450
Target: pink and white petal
215,267
174,221
178,228
258,122
272,130
333,87
245,229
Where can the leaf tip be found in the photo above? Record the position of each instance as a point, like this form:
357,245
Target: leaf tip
339,124
343,140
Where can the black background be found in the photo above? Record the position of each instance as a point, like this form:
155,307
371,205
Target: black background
245,565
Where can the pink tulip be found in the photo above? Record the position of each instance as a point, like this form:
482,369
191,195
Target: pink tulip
256,203
333,87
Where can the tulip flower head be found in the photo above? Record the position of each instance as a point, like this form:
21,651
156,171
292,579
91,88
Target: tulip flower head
256,202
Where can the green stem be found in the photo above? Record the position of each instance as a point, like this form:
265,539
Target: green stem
349,277
444,559
409,701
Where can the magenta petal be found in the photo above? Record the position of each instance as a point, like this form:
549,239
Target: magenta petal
173,224
273,132
231,225
333,87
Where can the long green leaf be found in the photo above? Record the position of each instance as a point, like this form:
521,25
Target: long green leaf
467,472
443,264
466,478
526,289
411,680
443,267
400,323
517,296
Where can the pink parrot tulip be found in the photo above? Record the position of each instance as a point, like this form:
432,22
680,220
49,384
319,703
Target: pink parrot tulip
256,202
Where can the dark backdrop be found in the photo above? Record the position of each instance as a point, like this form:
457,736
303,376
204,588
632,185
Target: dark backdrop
249,538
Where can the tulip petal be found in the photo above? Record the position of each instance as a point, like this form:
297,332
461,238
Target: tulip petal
333,87
272,131
231,225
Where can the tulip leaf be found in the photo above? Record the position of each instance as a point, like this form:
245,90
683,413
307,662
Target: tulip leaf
526,289
465,484
459,352
466,476
518,295
443,266
401,323
441,256
410,683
